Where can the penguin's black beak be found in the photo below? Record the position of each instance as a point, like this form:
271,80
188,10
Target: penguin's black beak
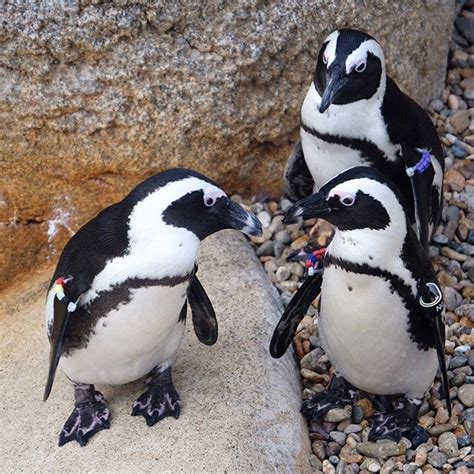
315,205
336,79
240,219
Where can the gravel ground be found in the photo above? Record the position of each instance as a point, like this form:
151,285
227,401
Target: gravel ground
340,444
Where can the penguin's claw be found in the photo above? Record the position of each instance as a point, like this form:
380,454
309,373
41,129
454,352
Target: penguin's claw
338,394
393,424
160,400
87,418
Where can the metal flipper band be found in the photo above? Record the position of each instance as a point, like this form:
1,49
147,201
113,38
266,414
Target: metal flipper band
437,301
422,165
61,296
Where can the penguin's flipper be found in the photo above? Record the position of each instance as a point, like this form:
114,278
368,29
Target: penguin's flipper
60,320
297,180
204,317
421,189
433,309
74,287
294,313
442,361
422,199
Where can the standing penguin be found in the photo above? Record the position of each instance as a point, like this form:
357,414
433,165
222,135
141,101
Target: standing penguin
116,306
354,114
380,309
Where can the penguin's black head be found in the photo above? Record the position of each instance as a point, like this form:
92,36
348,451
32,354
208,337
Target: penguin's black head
350,68
185,199
358,198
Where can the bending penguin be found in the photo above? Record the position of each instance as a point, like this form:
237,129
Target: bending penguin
117,303
380,308
355,114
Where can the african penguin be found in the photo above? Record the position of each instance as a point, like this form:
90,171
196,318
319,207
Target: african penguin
354,114
380,309
117,302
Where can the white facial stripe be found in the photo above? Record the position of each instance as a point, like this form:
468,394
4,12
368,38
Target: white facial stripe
359,55
145,214
330,52
375,189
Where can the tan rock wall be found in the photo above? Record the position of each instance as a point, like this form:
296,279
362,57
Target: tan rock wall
96,95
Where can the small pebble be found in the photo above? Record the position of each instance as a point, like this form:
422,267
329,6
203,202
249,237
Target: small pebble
466,395
381,450
310,360
328,468
448,444
315,462
319,449
266,249
437,459
352,428
283,237
457,361
338,437
338,414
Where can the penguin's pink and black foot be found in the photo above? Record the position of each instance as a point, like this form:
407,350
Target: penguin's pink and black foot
160,400
89,416
395,423
338,394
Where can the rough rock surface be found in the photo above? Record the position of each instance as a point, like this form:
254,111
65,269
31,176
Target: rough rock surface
96,95
240,408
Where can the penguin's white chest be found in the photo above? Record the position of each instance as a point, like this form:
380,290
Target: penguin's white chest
326,160
364,331
132,338
343,133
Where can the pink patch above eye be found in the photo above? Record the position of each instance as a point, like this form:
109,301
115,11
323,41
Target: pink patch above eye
212,195
345,197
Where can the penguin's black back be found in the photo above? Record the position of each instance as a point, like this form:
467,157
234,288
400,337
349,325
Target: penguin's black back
408,123
101,239
417,261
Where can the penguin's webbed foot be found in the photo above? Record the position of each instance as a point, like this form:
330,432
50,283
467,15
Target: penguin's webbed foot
89,416
397,423
338,394
390,425
160,400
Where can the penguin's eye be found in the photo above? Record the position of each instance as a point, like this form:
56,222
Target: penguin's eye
325,59
361,66
209,201
348,200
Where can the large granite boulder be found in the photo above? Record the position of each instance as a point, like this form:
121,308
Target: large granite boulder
96,95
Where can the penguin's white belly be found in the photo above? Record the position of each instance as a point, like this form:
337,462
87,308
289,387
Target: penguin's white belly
132,339
364,332
326,160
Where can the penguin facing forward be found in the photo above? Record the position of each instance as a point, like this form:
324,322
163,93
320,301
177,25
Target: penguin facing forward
380,308
355,114
117,303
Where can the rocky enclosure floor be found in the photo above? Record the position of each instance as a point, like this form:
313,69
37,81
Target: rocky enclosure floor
340,444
